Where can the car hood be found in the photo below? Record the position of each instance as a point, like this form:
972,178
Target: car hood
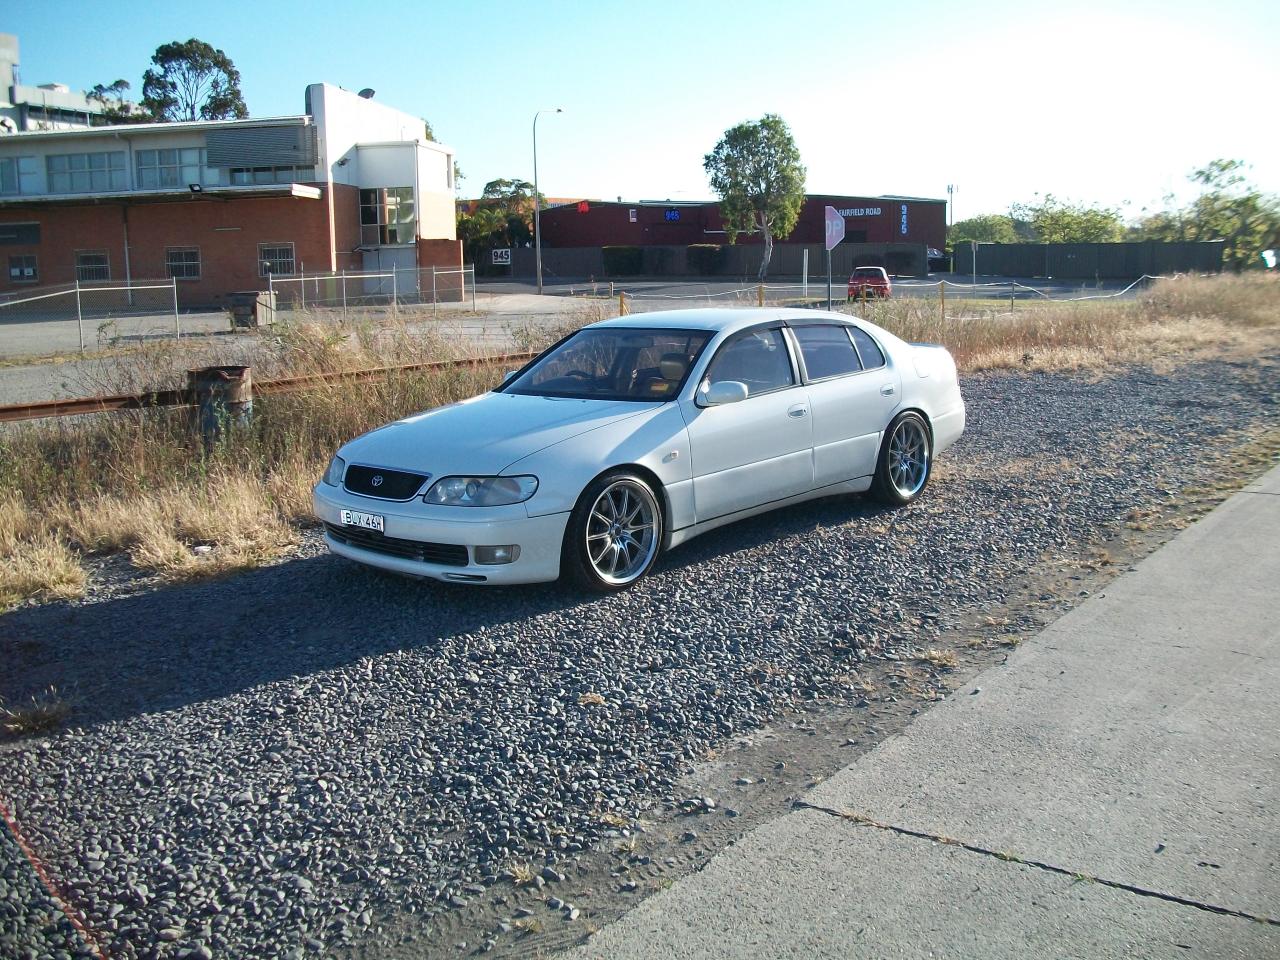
486,434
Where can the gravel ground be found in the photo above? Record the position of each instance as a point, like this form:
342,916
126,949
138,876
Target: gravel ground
306,757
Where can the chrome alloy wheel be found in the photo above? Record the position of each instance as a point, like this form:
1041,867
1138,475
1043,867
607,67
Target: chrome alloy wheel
909,457
621,532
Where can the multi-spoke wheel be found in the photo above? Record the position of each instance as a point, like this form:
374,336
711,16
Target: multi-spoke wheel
905,460
614,533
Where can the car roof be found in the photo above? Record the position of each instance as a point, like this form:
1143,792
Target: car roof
719,320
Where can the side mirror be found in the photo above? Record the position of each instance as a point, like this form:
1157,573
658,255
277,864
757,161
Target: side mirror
726,391
508,375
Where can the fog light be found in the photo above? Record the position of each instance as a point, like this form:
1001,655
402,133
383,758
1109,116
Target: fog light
506,554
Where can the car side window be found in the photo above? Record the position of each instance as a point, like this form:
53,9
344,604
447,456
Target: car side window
827,351
758,358
870,352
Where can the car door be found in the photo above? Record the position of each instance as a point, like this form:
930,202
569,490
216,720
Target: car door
851,400
756,450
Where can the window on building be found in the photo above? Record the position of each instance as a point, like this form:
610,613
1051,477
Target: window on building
178,167
387,216
17,176
23,269
275,259
92,265
183,263
86,172
249,176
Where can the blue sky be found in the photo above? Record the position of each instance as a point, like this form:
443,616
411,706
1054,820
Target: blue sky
1109,102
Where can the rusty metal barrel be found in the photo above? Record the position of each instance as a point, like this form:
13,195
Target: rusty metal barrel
221,397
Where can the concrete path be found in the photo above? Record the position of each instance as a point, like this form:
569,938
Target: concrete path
1112,791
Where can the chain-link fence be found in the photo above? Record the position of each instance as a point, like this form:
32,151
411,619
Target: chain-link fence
393,289
99,311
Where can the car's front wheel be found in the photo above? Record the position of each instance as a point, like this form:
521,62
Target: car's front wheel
614,533
906,460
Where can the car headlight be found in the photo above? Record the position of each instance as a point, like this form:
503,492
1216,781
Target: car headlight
481,491
333,473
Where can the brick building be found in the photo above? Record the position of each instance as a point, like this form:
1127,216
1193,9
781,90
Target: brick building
350,184
646,223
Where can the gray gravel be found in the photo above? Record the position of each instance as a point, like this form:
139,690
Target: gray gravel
279,763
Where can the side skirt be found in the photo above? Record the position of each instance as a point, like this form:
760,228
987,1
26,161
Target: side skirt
677,537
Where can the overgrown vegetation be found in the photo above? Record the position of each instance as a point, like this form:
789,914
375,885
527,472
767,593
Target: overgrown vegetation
138,483
1185,317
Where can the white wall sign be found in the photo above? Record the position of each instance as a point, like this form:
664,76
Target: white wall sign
859,212
502,257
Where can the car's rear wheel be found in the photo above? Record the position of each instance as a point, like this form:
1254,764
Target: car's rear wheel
906,460
614,533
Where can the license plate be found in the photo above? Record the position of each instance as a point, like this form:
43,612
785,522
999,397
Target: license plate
369,521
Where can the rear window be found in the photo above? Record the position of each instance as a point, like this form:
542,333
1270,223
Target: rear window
827,351
871,354
868,272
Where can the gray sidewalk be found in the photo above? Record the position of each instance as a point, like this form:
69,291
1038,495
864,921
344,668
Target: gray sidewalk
1112,791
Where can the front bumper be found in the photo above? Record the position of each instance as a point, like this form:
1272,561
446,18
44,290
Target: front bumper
539,538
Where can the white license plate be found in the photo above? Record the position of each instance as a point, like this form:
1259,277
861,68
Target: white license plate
369,521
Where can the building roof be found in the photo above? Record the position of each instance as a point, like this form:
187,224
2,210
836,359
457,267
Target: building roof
115,129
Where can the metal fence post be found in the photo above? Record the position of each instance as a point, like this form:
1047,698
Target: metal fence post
942,301
343,281
434,302
473,287
177,325
79,314
395,296
302,290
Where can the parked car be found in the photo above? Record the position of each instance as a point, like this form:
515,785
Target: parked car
631,436
873,280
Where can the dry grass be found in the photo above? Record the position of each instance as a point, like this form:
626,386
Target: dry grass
138,483
45,711
1180,319
942,659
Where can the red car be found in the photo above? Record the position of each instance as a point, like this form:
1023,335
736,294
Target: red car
871,279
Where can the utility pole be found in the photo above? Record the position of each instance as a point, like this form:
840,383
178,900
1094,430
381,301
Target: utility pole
537,200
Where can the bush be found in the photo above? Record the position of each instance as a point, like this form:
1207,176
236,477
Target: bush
623,261
706,259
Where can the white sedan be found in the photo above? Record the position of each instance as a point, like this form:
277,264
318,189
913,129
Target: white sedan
633,435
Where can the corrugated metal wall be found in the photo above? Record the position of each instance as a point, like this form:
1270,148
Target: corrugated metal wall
284,145
1090,261
738,261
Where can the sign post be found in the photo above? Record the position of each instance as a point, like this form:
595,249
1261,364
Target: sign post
835,233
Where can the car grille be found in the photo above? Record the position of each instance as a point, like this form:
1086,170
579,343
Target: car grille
446,554
383,484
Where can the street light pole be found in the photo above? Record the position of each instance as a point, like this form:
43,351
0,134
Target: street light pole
537,200
952,189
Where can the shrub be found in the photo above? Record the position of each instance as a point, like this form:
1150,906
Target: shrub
706,259
623,261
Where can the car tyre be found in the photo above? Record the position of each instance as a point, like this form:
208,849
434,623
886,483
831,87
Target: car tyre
905,462
614,534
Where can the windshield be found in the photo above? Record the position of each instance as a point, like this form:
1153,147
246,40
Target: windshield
615,363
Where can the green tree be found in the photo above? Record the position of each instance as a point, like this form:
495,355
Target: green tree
756,171
115,109
1232,209
987,228
1056,221
192,81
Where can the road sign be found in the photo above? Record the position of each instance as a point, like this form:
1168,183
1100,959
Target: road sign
835,227
502,257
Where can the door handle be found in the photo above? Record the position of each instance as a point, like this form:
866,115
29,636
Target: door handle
798,412
886,390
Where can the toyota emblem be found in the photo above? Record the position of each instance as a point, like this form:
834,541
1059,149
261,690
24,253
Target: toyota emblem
377,480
